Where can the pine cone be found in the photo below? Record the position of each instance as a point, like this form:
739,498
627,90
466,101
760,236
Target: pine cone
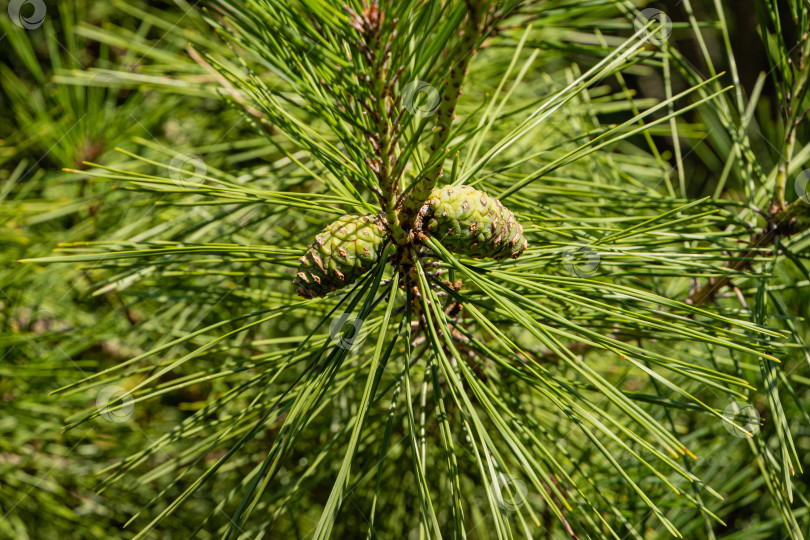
472,223
341,253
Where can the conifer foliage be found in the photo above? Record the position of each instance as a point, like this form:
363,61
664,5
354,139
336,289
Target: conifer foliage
408,269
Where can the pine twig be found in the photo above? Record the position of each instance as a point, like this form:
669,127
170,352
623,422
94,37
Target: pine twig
377,54
449,98
784,221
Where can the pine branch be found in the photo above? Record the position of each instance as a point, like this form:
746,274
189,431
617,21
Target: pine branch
376,51
473,31
782,223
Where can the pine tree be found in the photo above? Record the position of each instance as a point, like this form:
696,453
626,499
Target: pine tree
435,269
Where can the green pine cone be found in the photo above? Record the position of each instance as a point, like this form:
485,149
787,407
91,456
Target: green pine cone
470,222
341,253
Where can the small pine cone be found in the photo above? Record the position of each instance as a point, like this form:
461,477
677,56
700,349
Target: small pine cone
340,254
470,222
